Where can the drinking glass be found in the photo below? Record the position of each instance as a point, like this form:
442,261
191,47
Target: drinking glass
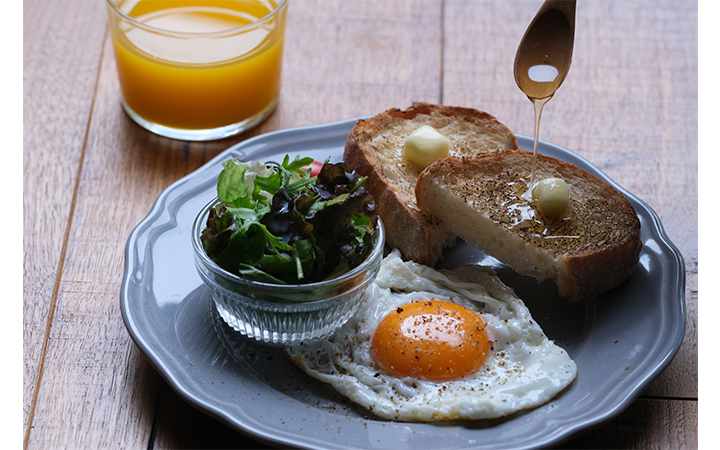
198,69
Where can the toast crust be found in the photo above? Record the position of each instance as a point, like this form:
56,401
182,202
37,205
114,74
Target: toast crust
484,199
374,149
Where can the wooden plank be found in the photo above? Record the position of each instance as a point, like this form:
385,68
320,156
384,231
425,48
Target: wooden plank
62,44
98,389
349,59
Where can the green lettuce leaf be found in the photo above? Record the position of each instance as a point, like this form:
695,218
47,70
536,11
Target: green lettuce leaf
278,224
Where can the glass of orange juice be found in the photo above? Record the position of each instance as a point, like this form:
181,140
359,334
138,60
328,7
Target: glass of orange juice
198,69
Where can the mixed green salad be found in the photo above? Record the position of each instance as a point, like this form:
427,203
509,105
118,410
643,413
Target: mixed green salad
277,223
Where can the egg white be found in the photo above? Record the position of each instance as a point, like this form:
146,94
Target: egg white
524,369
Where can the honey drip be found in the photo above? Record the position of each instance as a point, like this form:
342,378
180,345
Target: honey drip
543,59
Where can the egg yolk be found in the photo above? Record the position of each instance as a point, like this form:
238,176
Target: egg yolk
431,340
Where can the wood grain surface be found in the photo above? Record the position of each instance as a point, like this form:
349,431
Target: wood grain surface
90,175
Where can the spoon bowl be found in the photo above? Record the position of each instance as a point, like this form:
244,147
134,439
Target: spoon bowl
545,52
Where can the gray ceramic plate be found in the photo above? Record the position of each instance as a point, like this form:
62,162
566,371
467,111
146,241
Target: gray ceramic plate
620,342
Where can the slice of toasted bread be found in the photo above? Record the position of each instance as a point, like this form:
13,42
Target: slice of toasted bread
593,248
374,149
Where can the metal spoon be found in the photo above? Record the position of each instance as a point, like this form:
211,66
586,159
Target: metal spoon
543,57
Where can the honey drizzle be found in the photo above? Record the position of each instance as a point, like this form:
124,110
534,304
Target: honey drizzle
538,104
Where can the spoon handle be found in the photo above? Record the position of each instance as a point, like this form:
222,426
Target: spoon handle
567,7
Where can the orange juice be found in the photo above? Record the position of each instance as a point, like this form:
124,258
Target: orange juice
199,64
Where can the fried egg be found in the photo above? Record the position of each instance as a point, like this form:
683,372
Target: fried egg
429,345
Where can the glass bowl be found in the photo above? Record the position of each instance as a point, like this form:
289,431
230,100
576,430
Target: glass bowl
283,313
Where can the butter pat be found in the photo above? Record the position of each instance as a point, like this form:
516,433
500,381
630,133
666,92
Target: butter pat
553,197
425,145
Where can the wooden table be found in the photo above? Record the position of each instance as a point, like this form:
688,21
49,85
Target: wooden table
629,105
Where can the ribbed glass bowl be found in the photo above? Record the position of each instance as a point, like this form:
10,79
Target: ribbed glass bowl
283,313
